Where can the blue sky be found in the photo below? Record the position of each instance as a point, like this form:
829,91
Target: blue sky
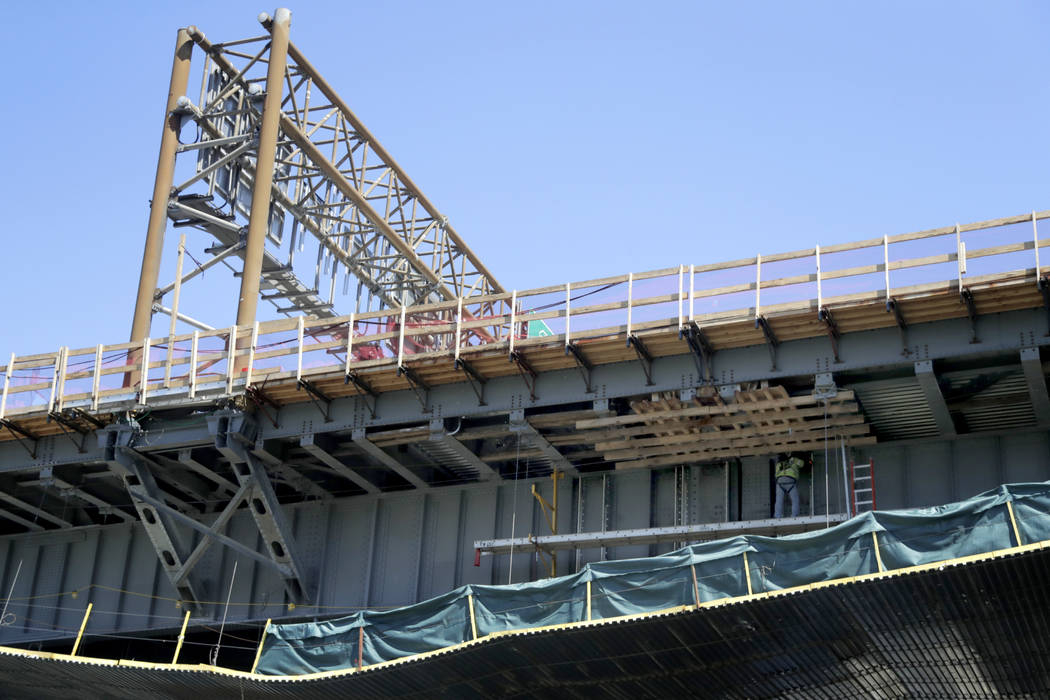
565,141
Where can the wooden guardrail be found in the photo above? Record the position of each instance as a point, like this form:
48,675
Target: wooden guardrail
186,365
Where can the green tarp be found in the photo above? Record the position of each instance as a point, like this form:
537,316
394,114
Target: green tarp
712,570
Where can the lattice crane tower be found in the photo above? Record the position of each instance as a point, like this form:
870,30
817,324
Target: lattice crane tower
272,163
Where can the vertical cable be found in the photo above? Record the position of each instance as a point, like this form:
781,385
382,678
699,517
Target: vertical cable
827,489
514,511
3,613
226,610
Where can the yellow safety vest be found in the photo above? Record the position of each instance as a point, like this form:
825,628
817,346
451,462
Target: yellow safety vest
790,468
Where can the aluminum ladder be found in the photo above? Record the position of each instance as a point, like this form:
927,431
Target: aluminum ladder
862,477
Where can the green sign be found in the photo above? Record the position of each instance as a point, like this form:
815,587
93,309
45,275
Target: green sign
538,329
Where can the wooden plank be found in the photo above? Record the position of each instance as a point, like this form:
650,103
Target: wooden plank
766,441
714,455
694,411
726,435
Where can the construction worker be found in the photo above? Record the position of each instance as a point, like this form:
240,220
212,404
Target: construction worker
787,473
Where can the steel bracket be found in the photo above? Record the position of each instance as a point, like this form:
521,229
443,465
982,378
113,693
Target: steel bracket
474,378
703,353
893,307
1044,289
69,427
320,400
528,374
645,358
771,340
22,435
261,400
420,388
535,439
824,386
365,390
966,295
582,364
833,330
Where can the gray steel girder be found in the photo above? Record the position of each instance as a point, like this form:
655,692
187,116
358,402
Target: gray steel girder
448,450
533,438
321,448
1001,333
379,455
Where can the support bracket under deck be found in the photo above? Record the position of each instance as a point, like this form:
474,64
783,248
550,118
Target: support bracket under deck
966,296
528,374
645,358
893,307
771,340
582,364
703,353
365,389
22,435
420,388
833,330
319,398
474,378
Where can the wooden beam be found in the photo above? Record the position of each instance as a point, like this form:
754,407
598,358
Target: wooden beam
728,435
771,441
714,455
789,402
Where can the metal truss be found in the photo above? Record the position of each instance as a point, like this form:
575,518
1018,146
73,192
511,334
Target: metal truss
234,434
334,187
160,512
146,496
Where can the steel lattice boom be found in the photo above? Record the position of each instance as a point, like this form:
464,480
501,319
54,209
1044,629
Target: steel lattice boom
334,189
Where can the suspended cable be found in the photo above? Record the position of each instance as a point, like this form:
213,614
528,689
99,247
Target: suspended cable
226,610
827,491
514,510
3,614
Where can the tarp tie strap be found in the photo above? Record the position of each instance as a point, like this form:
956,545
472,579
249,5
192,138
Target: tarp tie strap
1013,522
878,556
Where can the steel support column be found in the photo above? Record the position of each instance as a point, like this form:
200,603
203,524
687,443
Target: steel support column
158,213
266,151
934,398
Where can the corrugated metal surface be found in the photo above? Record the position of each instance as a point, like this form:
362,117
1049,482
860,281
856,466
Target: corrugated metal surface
968,630
980,400
1003,405
896,408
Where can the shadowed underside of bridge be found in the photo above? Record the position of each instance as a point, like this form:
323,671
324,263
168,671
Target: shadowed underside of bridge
970,628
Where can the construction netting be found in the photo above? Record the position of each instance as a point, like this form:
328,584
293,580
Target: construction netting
1011,515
